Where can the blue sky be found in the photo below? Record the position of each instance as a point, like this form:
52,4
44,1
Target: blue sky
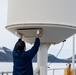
8,39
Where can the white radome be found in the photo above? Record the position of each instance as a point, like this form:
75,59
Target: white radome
57,19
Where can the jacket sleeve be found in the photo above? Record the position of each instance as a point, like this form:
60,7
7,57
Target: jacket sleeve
32,52
15,48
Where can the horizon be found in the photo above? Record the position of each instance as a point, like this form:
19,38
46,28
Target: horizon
6,56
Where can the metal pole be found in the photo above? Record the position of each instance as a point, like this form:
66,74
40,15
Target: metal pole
73,57
43,58
42,70
53,71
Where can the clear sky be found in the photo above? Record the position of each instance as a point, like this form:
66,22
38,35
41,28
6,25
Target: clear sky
8,40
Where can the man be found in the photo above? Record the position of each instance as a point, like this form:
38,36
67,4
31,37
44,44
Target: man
23,59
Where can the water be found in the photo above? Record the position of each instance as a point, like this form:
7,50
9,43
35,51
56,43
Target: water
8,67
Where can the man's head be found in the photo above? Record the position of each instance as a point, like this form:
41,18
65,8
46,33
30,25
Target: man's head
21,45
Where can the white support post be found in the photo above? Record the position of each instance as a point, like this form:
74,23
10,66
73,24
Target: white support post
42,57
42,71
73,57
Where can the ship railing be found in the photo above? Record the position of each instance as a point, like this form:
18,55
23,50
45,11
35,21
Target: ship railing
55,71
6,73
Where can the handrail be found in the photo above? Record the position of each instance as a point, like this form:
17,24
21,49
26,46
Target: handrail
56,69
53,70
5,73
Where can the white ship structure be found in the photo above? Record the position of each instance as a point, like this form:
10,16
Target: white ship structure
56,18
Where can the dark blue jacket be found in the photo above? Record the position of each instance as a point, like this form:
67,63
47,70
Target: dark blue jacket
23,59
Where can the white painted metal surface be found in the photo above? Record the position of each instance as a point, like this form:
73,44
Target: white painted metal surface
42,11
42,70
73,57
57,18
42,57
51,33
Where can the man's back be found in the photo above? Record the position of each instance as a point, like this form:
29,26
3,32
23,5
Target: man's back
22,66
23,59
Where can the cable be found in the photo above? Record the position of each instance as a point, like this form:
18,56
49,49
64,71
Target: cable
56,55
